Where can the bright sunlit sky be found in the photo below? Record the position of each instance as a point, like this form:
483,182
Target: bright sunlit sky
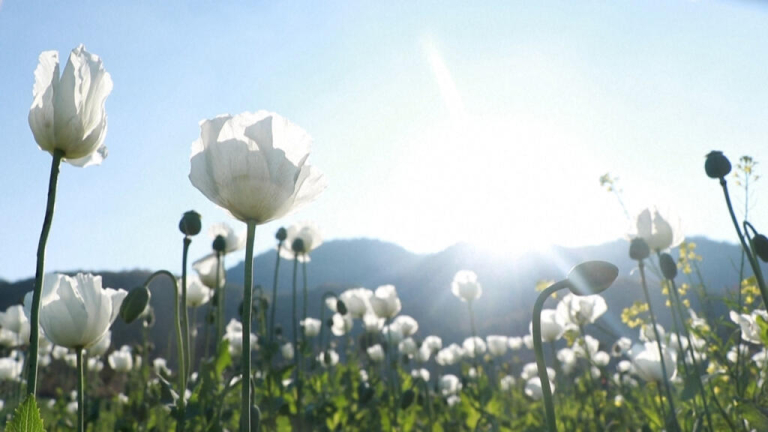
435,122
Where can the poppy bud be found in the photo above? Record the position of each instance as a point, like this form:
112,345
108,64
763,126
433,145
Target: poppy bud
190,224
281,234
278,330
341,307
760,245
220,244
327,357
717,165
668,266
329,322
592,277
298,245
638,249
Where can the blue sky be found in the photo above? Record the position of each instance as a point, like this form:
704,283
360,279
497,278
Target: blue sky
435,122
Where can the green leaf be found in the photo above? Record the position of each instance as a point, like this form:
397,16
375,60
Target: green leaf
763,324
27,417
757,418
134,304
223,358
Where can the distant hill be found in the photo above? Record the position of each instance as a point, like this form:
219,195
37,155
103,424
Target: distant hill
423,283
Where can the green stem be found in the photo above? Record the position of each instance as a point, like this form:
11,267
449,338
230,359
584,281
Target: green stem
185,313
752,262
549,406
590,380
692,351
298,349
474,337
179,342
40,271
80,391
221,302
273,306
673,413
304,304
245,383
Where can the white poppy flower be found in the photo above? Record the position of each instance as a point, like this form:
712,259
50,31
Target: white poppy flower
449,355
372,323
750,330
233,240
657,232
254,166
474,346
528,341
533,388
311,327
567,359
160,366
453,400
465,286
207,271
234,335
497,345
531,370
449,385
408,347
375,353
581,310
385,302
406,325
122,360
14,319
333,358
434,343
310,237
516,342
342,324
80,311
621,347
357,301
648,335
197,293
421,374
68,112
391,335
287,351
647,362
10,368
733,354
101,347
552,326
423,354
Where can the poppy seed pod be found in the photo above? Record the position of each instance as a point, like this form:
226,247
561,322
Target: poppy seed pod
298,245
717,165
341,307
668,266
220,244
281,234
592,277
190,223
638,249
760,245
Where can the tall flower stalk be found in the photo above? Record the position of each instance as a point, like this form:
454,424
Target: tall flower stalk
80,391
591,277
297,246
245,414
68,120
670,400
717,166
254,165
40,272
